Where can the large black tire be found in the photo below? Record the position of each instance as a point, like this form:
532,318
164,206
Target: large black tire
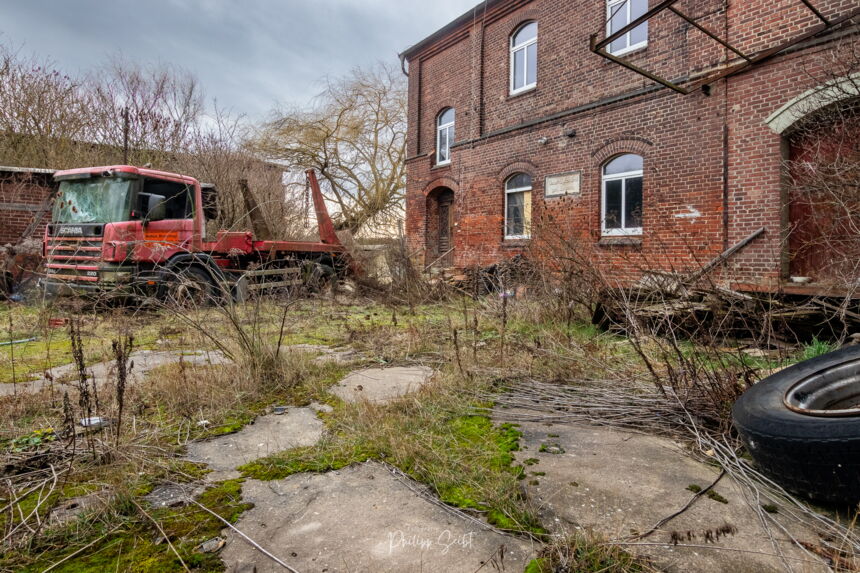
190,287
812,455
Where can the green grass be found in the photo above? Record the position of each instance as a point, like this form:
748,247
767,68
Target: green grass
585,553
815,348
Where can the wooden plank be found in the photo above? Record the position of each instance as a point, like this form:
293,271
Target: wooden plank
261,286
724,256
280,271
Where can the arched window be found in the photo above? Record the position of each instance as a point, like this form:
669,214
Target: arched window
444,136
619,13
518,206
622,196
524,58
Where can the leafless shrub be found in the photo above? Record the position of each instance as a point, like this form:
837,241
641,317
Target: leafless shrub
683,327
823,170
121,350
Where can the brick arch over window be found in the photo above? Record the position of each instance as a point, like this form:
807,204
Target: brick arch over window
517,167
620,146
520,18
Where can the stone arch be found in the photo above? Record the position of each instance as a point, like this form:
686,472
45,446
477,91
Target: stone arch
812,100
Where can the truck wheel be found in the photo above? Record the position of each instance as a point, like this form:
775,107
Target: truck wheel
802,426
190,286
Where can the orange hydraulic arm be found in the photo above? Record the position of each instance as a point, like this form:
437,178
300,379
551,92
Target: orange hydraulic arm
326,227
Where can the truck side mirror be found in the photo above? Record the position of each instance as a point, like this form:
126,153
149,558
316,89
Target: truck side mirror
153,205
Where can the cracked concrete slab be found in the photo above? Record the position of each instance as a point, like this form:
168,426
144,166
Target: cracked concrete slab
381,384
361,518
266,435
144,362
620,483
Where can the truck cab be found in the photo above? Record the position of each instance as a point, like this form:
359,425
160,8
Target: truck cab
109,223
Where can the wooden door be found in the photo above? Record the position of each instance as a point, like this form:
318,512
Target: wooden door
823,242
446,231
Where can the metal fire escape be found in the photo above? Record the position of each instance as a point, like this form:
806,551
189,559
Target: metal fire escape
742,62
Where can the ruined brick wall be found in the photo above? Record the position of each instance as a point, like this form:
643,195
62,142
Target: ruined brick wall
22,196
586,110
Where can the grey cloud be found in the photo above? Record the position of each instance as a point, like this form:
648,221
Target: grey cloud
249,55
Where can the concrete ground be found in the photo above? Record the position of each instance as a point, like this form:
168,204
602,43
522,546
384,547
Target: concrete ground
621,483
381,384
101,372
326,353
264,436
361,519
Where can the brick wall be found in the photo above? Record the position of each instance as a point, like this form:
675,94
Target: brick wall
686,141
21,198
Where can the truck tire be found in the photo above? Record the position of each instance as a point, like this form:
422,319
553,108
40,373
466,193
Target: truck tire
802,426
190,286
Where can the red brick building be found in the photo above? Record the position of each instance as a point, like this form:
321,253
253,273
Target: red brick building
25,206
519,131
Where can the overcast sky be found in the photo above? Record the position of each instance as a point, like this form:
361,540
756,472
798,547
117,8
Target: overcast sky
247,54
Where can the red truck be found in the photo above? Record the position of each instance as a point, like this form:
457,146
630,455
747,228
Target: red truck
135,230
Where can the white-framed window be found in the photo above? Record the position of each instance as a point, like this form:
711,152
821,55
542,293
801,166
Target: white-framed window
444,136
619,13
621,204
524,58
518,206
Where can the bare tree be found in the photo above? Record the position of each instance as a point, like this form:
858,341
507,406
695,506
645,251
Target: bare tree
151,111
355,137
43,112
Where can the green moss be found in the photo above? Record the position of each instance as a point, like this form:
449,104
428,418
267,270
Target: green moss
695,488
131,542
555,449
712,494
497,518
531,461
314,459
770,508
539,565
230,426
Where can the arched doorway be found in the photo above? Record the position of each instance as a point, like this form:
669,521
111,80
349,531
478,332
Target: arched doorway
440,228
823,168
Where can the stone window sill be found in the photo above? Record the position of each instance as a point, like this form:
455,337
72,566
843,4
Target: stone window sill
531,90
516,243
620,242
